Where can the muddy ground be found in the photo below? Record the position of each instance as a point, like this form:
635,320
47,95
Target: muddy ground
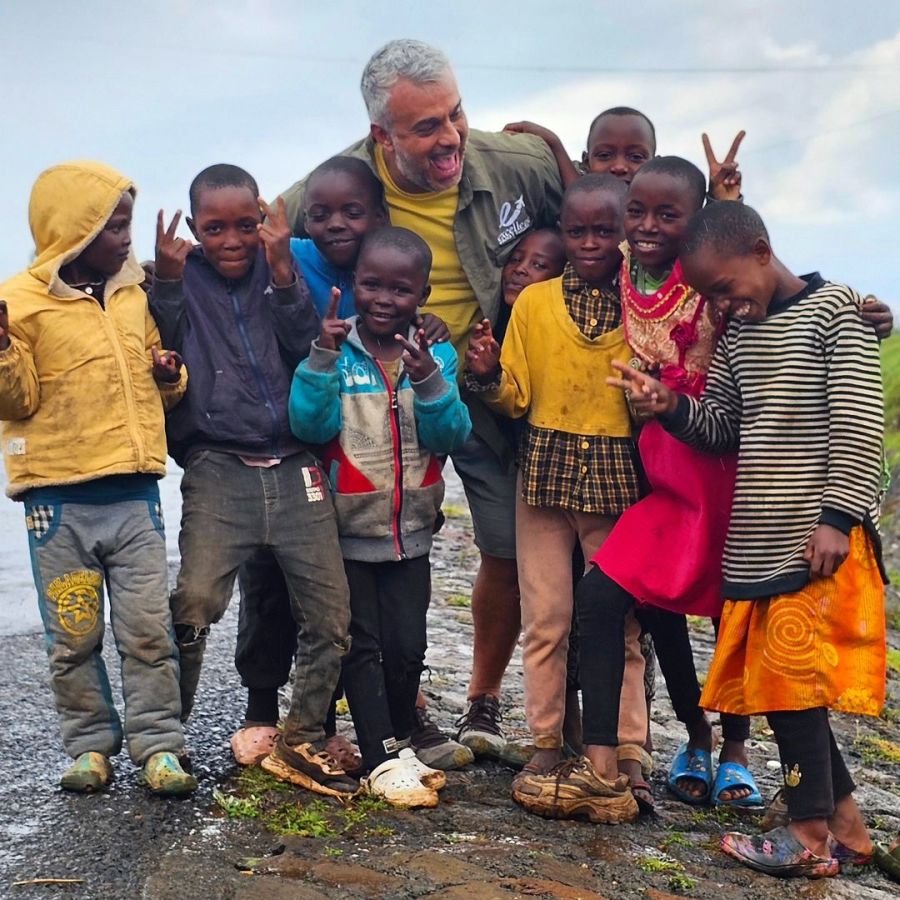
245,837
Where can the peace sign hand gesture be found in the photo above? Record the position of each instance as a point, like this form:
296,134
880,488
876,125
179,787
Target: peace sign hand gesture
724,177
171,251
334,331
648,397
483,355
417,360
275,233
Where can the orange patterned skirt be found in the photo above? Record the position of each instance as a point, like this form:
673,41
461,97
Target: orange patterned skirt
821,646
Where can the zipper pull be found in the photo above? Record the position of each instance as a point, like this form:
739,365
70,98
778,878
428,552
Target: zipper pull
394,403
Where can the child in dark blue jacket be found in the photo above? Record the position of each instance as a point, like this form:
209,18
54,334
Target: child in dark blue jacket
237,307
385,404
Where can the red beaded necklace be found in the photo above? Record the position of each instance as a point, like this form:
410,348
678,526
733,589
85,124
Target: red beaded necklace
660,305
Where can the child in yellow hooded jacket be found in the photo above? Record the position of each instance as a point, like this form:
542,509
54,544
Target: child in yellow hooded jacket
83,386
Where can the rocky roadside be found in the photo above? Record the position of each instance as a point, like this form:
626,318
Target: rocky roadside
246,837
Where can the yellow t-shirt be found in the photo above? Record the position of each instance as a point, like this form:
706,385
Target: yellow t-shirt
431,217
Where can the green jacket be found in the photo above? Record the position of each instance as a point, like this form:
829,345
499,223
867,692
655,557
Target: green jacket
510,185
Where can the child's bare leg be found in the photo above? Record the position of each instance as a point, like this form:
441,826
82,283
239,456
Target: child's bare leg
604,761
848,827
496,616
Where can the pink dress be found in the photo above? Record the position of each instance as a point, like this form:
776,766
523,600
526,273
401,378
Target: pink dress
666,550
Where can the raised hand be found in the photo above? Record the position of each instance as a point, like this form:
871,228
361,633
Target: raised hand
435,329
879,316
418,362
275,233
724,177
826,549
334,331
483,355
166,365
4,326
171,251
648,397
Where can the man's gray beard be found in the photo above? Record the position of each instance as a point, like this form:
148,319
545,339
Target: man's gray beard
420,179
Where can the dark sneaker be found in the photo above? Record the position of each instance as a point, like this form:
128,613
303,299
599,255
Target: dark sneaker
479,728
434,748
309,767
91,772
574,790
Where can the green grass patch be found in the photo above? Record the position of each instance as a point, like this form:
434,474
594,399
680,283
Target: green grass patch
238,807
675,839
311,820
876,749
680,883
890,371
256,780
461,600
453,511
656,864
893,660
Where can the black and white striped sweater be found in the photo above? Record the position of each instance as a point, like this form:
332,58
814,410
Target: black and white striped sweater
799,395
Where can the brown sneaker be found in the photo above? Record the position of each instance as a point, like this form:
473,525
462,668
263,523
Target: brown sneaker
573,790
309,767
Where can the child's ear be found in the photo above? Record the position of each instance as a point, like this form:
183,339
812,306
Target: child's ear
425,295
762,252
381,215
190,224
584,157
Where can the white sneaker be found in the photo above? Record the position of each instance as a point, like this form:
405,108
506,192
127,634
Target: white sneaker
398,782
431,778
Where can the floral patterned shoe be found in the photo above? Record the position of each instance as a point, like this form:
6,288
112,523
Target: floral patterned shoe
850,860
779,853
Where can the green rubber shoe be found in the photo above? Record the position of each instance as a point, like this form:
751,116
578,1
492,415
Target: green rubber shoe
163,774
91,772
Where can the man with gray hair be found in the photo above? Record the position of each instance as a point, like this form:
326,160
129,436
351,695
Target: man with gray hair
471,195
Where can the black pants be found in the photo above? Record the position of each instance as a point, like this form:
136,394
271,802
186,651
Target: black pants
267,639
602,605
388,603
815,774
676,660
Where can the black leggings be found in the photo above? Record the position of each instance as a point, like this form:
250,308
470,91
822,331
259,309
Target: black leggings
388,603
815,774
602,606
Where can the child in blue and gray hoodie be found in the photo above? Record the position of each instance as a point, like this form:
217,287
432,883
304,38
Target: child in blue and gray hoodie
386,405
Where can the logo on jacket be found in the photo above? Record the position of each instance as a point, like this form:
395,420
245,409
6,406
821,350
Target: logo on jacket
514,221
312,479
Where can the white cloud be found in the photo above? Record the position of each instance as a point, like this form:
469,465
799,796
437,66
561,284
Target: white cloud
805,52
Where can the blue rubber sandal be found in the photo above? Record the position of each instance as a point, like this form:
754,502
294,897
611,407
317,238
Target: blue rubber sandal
731,775
690,762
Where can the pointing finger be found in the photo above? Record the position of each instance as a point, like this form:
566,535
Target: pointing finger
333,304
708,150
411,349
735,144
264,207
170,232
159,227
154,353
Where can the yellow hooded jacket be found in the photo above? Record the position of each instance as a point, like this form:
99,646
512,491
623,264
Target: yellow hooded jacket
77,395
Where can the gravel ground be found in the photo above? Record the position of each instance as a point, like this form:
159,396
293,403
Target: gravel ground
475,844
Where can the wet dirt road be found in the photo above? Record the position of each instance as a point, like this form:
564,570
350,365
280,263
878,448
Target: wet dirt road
476,844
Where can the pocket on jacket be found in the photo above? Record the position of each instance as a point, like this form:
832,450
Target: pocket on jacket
42,521
367,515
420,507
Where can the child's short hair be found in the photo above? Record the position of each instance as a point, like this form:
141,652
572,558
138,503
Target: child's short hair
676,167
221,175
402,239
622,111
355,168
731,228
597,182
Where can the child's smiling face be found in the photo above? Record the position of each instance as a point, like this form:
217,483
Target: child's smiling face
225,222
620,145
539,256
338,211
389,285
591,226
657,211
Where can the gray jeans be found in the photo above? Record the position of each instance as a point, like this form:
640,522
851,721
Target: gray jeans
229,510
75,548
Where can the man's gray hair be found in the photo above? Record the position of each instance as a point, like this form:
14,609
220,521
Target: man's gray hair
416,61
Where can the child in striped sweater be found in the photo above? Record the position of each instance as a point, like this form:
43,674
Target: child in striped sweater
795,388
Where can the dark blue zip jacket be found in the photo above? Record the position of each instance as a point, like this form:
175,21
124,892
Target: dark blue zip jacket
241,341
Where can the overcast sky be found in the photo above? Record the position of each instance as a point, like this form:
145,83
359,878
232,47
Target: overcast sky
163,89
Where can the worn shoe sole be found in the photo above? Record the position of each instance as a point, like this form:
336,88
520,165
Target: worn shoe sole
599,810
174,787
446,756
482,743
283,772
818,868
